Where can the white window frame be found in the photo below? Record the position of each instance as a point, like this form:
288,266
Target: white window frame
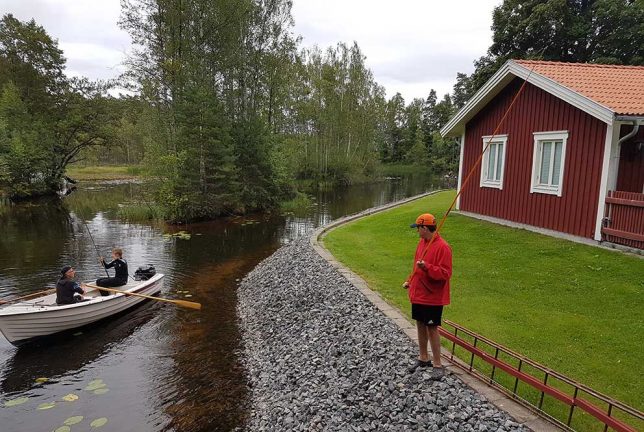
493,139
536,186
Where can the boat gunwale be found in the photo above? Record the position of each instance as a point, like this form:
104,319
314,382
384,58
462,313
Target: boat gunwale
94,301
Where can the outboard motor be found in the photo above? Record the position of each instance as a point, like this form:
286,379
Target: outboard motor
144,273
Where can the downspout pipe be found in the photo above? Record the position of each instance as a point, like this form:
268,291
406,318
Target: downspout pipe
636,127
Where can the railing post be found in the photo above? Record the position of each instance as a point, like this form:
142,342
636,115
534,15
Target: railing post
472,357
516,380
545,381
454,343
610,410
496,357
572,407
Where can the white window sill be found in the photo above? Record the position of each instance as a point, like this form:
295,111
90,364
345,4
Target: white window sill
492,185
546,190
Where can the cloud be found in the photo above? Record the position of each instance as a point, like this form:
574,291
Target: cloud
410,45
93,60
86,31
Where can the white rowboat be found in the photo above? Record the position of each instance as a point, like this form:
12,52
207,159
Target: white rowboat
41,316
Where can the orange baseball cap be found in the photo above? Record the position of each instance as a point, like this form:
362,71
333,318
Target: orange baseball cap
425,219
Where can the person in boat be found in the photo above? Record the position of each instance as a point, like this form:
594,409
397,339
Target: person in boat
68,291
120,267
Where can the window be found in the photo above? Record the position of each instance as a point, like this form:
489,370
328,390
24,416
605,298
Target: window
493,164
548,162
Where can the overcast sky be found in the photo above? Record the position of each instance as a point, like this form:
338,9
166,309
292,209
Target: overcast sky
411,45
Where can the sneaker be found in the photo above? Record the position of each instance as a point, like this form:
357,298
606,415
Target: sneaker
438,373
419,364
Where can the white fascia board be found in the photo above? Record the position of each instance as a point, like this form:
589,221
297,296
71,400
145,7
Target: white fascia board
562,92
460,170
503,77
476,102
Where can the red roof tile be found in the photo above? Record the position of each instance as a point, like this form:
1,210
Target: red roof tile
618,88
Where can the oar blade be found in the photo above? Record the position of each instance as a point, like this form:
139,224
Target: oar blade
188,304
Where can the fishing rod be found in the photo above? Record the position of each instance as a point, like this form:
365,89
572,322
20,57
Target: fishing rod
98,254
476,164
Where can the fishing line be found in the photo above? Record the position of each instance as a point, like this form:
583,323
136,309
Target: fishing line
98,255
476,164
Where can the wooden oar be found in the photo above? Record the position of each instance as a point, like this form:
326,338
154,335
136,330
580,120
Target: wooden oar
184,303
49,291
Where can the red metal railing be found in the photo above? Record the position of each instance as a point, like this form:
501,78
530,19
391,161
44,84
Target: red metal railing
624,219
567,391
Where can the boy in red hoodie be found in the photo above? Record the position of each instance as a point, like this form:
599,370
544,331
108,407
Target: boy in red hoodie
429,290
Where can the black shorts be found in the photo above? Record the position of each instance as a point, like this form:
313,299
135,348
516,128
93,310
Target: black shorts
428,315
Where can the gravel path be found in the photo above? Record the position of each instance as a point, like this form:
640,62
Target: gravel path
320,356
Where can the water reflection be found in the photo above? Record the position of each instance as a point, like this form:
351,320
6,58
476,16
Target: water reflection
172,369
51,357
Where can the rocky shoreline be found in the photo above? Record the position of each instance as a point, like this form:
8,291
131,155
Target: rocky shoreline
320,356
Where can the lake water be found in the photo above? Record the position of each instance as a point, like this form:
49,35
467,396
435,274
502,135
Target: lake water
164,368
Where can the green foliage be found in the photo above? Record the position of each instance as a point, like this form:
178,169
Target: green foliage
595,31
400,169
141,212
339,113
109,172
217,75
411,134
298,205
393,146
257,182
46,119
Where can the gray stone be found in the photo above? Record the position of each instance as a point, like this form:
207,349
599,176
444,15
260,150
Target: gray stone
320,356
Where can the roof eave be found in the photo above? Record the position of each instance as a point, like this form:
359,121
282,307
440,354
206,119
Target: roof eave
503,77
491,88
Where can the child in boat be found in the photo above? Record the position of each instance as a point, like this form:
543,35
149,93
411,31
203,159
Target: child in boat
67,289
120,266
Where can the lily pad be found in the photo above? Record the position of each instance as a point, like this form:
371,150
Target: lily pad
99,422
46,405
63,429
73,420
15,402
95,384
101,391
95,387
42,380
70,397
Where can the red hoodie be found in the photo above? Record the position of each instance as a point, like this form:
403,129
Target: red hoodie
430,286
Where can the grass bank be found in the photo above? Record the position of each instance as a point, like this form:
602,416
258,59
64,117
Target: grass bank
109,172
401,169
575,308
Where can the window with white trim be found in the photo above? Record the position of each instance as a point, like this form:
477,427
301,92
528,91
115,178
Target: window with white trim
548,162
493,164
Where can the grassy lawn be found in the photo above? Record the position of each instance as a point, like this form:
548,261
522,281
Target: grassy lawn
110,172
575,308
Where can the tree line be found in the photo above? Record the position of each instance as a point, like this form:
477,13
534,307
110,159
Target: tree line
228,110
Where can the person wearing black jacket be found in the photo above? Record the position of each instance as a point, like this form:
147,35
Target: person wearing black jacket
120,266
67,289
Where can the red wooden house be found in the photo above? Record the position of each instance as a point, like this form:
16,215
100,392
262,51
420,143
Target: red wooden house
569,157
